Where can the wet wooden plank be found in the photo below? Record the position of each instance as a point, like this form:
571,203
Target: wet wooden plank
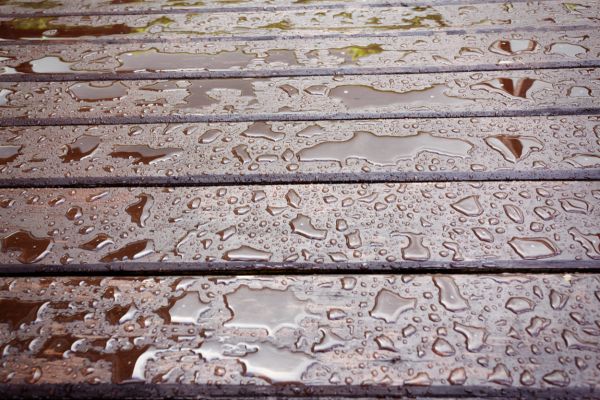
392,21
439,52
483,225
91,7
358,150
450,335
493,93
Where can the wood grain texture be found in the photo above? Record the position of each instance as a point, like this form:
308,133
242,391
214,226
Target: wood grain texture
216,153
438,52
302,227
451,335
490,93
547,15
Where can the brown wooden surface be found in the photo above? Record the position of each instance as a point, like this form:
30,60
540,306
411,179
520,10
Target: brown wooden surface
435,52
487,93
299,151
484,17
245,142
309,227
448,335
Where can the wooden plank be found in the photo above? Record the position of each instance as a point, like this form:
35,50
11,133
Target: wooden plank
441,52
365,335
309,227
95,7
289,23
493,93
357,150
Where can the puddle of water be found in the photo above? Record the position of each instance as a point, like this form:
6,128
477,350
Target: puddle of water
567,49
31,249
514,46
357,97
98,91
45,65
143,154
385,150
153,60
514,148
389,305
82,147
131,251
247,253
140,210
264,308
97,243
534,248
9,153
513,87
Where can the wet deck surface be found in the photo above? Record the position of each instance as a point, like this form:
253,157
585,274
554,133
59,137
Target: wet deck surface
299,199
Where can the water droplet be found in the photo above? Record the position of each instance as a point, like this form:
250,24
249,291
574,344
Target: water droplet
450,296
475,336
534,248
415,250
247,253
468,206
520,305
303,226
389,305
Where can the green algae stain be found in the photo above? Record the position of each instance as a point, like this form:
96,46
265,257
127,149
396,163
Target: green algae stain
38,27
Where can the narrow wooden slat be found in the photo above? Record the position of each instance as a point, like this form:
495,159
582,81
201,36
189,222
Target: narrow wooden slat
432,53
358,150
451,335
494,93
259,24
318,227
65,7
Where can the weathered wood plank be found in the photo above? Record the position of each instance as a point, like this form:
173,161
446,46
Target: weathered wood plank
289,23
451,335
95,7
318,227
489,93
439,52
358,150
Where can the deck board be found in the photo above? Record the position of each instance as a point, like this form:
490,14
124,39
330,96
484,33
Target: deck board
321,151
479,225
95,7
290,23
440,52
488,93
450,335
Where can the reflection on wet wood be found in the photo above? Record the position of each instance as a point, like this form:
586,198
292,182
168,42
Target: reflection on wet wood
311,227
501,93
303,335
369,150
431,53
305,23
